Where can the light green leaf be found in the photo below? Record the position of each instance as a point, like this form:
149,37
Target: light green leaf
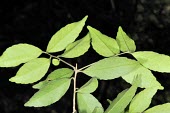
55,62
19,53
147,78
153,61
87,103
122,100
77,48
110,68
98,110
49,94
164,108
102,44
40,84
125,43
89,87
56,74
60,73
142,100
65,36
32,71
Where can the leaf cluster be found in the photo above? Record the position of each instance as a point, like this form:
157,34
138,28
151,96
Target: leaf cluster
137,71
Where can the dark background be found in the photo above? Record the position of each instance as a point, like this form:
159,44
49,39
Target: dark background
35,21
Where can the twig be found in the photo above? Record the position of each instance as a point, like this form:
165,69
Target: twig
74,90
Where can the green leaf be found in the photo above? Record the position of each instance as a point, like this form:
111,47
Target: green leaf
110,68
102,44
164,108
60,73
122,100
65,36
32,71
77,48
89,87
55,62
142,100
147,78
98,110
40,84
56,74
153,61
87,103
49,94
125,43
19,53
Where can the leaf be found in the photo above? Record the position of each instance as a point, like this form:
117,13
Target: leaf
142,100
55,62
56,74
40,84
87,103
147,78
111,68
102,44
19,53
49,94
153,61
65,36
32,71
89,87
77,48
125,43
60,73
164,108
122,100
98,110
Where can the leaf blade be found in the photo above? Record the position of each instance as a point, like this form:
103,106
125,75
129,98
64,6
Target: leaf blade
122,100
45,96
65,36
147,78
102,44
89,87
32,71
142,100
151,60
56,74
19,53
110,68
125,43
164,108
87,103
77,48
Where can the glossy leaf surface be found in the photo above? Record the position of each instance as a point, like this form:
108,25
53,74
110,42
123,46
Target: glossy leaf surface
19,53
77,48
90,86
32,71
125,43
102,44
87,103
110,68
49,94
65,36
154,61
